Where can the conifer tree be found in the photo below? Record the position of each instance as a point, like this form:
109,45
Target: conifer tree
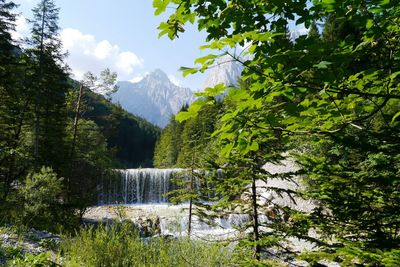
14,103
313,32
7,25
169,144
50,84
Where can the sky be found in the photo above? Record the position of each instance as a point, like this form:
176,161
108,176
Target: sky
121,35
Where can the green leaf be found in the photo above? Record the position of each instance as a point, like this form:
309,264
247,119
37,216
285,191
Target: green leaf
322,65
203,60
215,91
160,6
226,150
184,115
369,24
328,125
306,103
192,111
375,10
328,2
254,146
396,116
186,71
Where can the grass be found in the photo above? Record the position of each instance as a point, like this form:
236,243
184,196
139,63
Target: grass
120,245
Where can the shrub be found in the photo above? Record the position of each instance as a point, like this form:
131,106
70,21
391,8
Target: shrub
41,193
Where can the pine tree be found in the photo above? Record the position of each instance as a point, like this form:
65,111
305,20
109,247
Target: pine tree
7,25
50,84
169,145
313,32
14,104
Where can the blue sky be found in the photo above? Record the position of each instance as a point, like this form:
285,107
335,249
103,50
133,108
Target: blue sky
123,36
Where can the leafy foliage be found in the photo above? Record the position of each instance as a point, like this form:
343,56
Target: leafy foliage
42,198
334,98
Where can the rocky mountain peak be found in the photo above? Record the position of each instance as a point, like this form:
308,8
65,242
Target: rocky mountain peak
227,71
158,75
154,98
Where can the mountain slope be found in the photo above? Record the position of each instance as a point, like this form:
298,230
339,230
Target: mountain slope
154,98
226,71
131,138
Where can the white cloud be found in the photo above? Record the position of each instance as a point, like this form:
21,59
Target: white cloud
104,49
21,28
302,30
23,1
88,54
127,60
136,79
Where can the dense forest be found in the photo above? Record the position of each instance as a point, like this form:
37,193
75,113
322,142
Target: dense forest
130,139
181,141
328,100
54,131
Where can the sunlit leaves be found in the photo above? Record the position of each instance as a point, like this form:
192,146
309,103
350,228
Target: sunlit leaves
215,91
343,85
187,71
396,116
192,111
160,6
172,29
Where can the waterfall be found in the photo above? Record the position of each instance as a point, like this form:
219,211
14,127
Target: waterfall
138,186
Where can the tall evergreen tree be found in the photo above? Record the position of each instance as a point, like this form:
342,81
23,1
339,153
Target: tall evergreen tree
7,25
14,103
50,85
313,32
169,144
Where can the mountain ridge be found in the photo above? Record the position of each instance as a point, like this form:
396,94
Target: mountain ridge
154,98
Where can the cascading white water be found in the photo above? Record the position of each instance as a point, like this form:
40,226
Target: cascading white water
145,188
137,186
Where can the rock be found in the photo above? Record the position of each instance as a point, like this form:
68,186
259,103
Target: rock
32,242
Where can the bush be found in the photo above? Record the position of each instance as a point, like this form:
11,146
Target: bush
41,193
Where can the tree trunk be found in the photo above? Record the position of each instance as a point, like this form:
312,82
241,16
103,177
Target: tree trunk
37,107
191,191
256,234
76,119
75,131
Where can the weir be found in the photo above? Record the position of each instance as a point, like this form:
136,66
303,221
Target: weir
149,186
138,186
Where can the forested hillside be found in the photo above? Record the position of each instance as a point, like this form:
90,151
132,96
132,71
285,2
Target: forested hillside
131,138
55,134
188,143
